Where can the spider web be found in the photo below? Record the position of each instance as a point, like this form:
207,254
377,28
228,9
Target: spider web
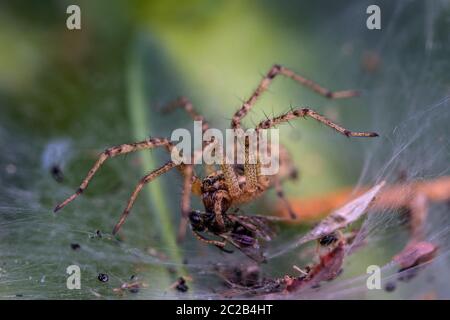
409,106
406,100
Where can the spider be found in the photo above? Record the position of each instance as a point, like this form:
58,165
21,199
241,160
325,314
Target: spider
231,185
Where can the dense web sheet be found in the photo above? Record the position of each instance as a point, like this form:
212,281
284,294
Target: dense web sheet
409,105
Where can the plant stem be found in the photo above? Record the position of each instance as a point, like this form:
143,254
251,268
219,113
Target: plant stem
137,108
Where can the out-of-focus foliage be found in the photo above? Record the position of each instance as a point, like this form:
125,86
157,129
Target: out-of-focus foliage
102,86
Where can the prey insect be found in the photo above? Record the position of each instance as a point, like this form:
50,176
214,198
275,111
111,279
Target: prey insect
243,232
229,185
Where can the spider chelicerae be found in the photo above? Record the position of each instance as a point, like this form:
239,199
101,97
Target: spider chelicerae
231,185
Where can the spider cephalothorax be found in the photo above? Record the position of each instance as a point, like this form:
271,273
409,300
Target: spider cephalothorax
232,184
214,190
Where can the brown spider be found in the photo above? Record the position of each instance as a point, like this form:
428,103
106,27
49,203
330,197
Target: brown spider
232,184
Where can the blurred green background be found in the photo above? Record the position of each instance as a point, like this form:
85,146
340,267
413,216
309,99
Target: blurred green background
103,85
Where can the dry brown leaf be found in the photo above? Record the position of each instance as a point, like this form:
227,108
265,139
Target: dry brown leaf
415,253
328,268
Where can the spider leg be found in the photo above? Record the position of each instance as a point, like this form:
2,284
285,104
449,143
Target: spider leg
231,180
306,112
110,153
191,184
218,210
217,243
146,179
251,169
185,104
267,80
185,201
280,194
287,167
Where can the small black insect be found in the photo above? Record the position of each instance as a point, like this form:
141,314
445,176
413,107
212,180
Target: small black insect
97,234
328,240
103,277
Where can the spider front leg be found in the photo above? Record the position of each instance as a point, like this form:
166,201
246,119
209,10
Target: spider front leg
146,179
231,180
306,112
220,199
266,82
191,185
185,104
110,153
251,166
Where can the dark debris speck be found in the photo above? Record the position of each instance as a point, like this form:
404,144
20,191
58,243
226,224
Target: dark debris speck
134,290
182,286
390,287
75,246
57,173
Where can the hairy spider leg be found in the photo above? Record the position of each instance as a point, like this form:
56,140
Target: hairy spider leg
185,202
144,180
185,104
216,243
267,80
280,194
251,170
306,112
186,170
113,152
